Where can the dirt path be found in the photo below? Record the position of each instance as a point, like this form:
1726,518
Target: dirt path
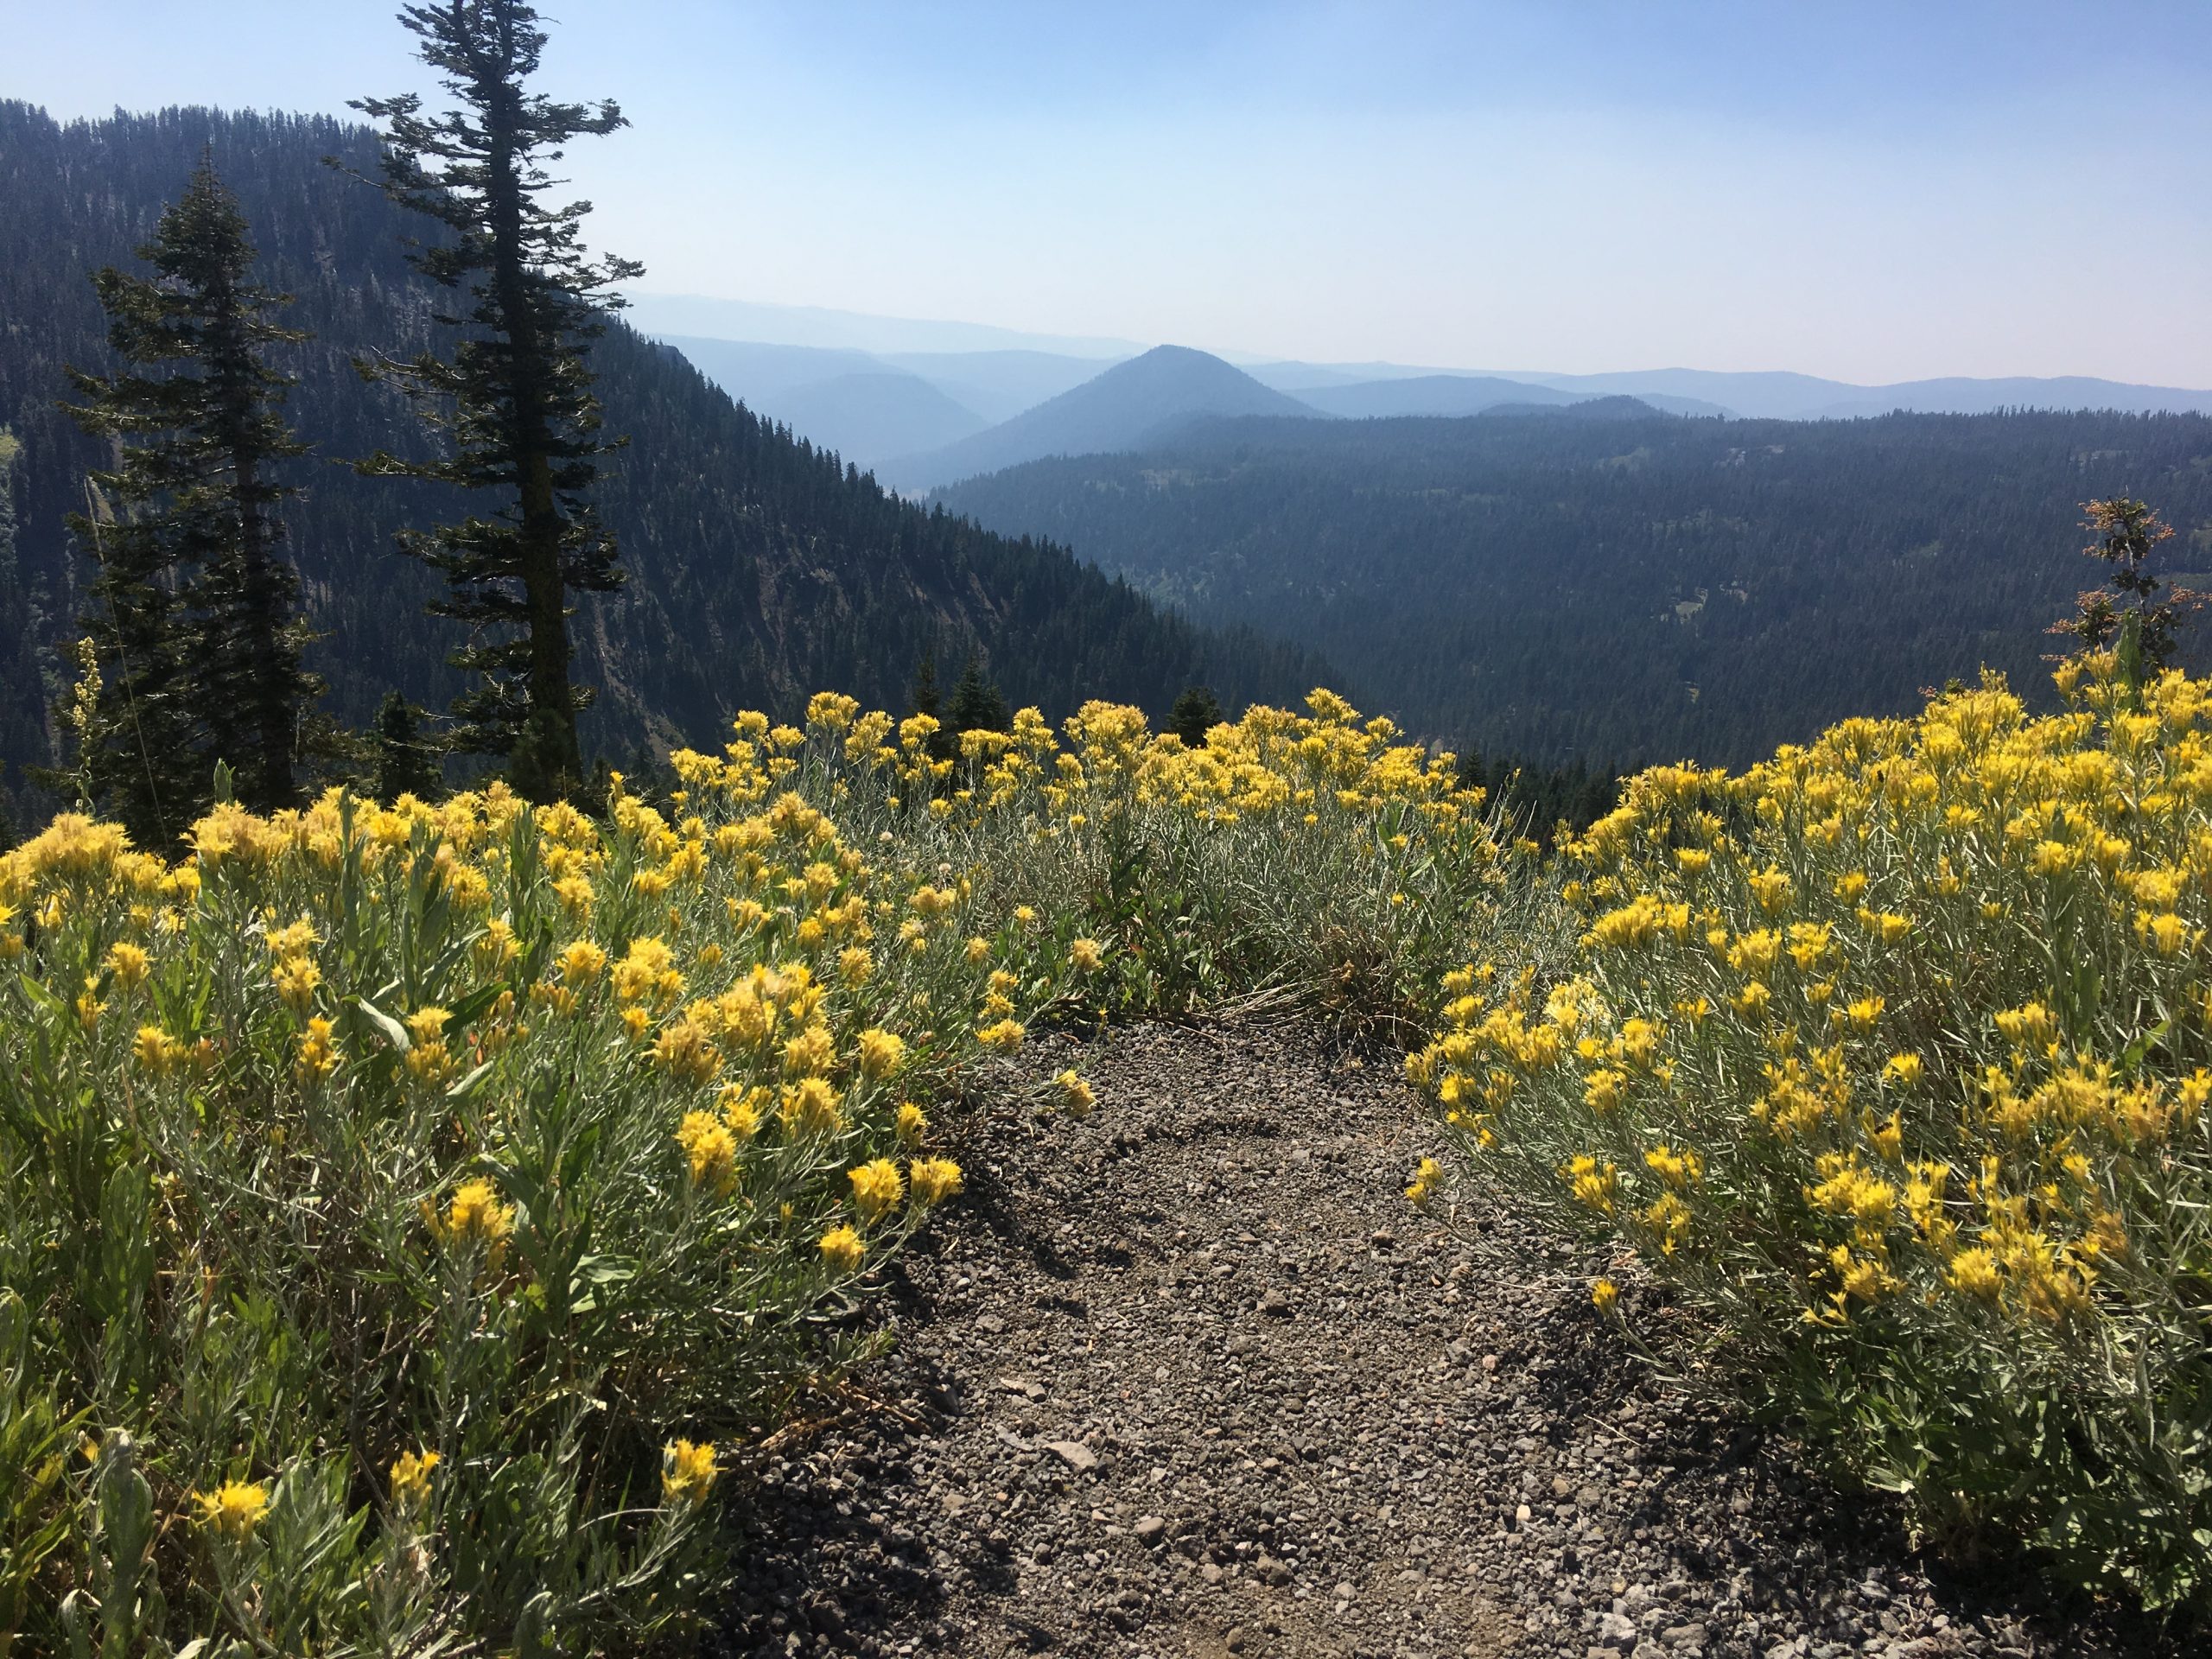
1191,1378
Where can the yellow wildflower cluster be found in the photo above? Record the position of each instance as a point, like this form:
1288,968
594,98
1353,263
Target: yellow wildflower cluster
1900,1043
501,1083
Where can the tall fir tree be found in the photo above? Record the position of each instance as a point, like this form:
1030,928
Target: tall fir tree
513,401
406,761
924,694
1197,711
193,608
977,705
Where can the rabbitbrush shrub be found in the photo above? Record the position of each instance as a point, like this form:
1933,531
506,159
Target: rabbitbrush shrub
1890,1055
403,1209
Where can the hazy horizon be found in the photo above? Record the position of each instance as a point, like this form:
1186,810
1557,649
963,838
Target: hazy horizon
1868,194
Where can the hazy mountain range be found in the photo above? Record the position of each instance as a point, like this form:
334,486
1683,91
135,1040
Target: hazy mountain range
925,403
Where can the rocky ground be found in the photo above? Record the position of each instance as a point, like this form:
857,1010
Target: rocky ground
1190,1377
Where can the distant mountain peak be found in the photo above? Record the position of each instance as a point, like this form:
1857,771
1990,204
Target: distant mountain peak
1132,405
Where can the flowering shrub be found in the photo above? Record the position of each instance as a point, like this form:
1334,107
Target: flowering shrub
406,1207
1891,1055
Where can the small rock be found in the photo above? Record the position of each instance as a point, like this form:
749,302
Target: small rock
1272,1571
1077,1456
1150,1530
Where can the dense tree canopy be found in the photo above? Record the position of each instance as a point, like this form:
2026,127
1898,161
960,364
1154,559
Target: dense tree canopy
1608,593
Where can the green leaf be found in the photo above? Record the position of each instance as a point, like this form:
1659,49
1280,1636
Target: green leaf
394,1033
469,1085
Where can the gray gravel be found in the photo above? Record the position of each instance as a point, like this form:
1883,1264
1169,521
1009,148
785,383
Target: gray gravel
1189,1377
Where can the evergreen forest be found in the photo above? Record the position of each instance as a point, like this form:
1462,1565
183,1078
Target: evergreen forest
1606,594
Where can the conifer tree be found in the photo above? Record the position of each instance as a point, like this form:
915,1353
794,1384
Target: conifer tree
193,607
406,761
513,400
977,705
1197,711
925,697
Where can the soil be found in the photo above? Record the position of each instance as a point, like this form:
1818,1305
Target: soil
1190,1376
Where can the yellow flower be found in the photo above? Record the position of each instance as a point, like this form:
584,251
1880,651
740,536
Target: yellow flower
932,1180
1426,1176
1087,956
2031,1025
129,964
1904,1070
474,1217
1076,1096
296,978
854,965
911,1124
740,1109
810,1107
582,962
156,1052
317,1057
234,1509
710,1148
1605,1295
1592,1183
687,1473
881,1053
877,1188
1772,888
979,949
842,1248
686,1051
1002,1036
1678,1169
1975,1272
410,1478
1601,1091
2167,934
813,1052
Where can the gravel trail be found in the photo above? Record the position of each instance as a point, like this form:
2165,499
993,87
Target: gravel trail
1190,1377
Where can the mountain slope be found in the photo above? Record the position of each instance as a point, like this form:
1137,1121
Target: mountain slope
1131,403
1777,394
756,374
867,418
1594,583
1428,394
999,385
759,567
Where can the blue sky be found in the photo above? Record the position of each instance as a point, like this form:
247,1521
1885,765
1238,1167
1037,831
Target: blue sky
1869,191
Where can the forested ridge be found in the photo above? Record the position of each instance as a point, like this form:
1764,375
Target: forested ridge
757,568
1618,592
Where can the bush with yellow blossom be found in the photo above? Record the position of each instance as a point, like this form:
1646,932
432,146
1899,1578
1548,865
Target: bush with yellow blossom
1891,1054
417,1207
